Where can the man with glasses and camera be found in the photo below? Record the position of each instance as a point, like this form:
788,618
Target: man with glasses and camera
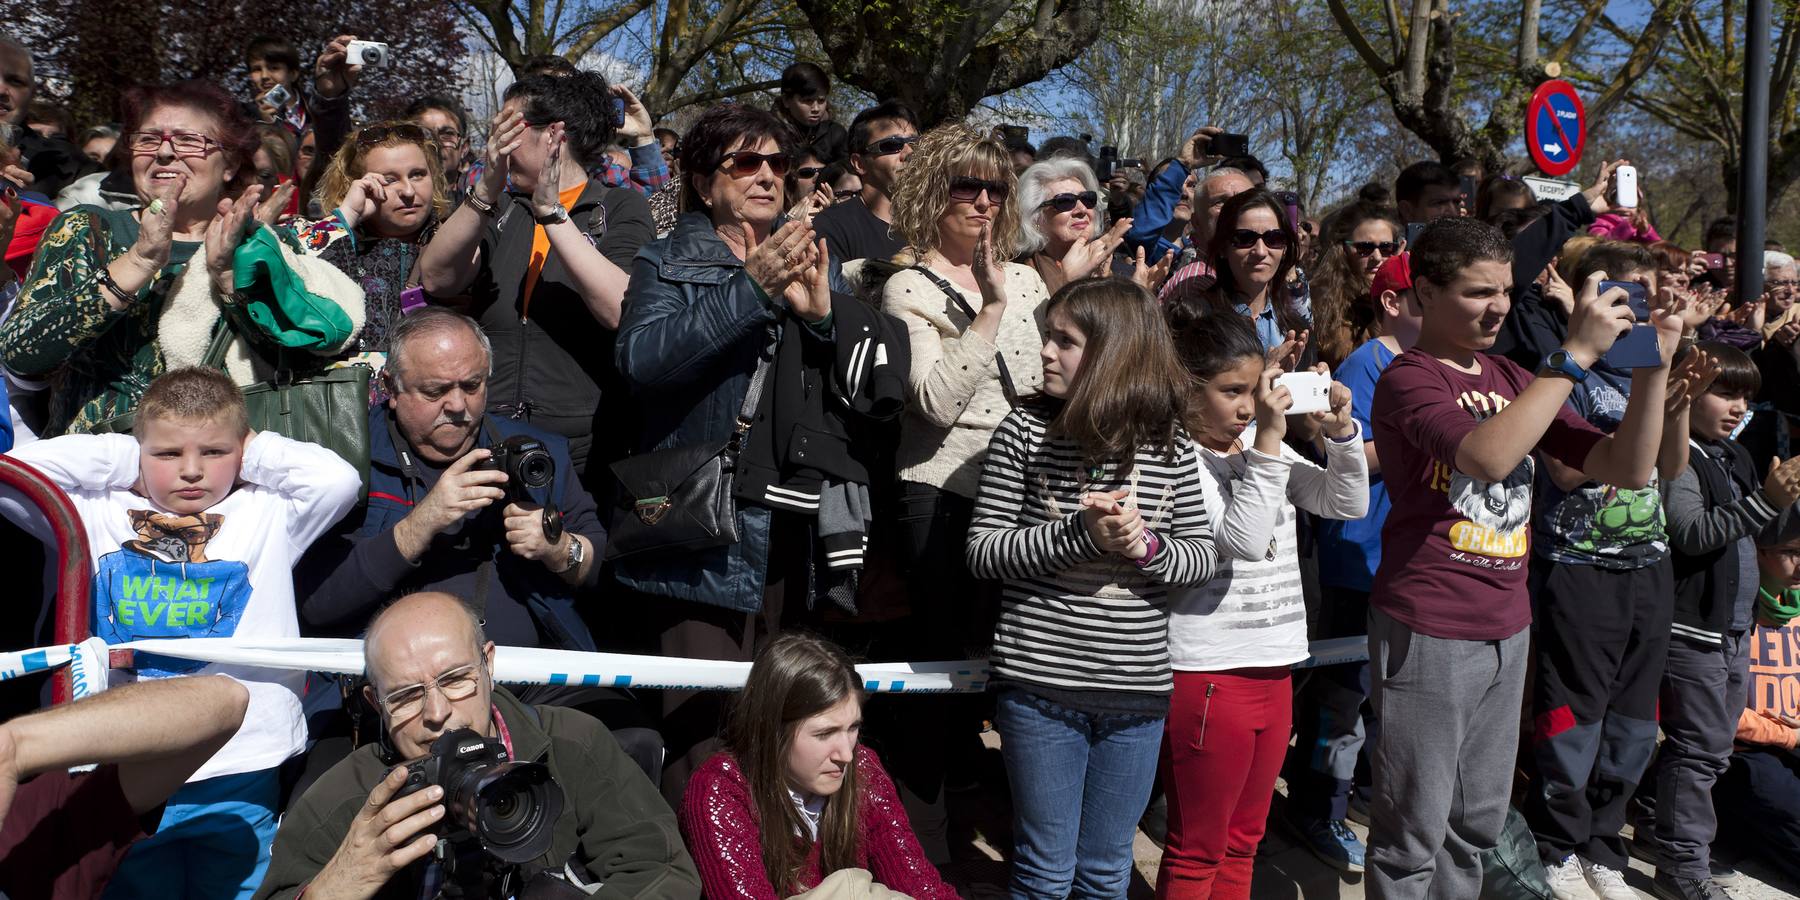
881,139
471,792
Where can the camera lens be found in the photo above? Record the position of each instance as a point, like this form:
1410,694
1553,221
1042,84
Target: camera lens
536,468
515,809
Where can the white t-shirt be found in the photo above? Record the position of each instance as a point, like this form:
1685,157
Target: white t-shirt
222,573
1252,613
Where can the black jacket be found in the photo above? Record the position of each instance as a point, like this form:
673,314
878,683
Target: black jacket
553,363
1704,531
1535,327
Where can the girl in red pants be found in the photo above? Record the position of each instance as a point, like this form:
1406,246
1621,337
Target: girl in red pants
1233,639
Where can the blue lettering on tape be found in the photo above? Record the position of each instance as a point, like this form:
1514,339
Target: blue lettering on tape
590,681
621,681
558,678
36,661
871,685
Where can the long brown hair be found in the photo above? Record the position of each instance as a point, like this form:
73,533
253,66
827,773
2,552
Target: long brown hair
1131,391
1343,317
798,676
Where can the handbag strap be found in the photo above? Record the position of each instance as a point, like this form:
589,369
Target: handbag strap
956,297
753,396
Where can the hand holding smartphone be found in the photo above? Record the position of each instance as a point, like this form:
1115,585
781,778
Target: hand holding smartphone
1637,349
1311,391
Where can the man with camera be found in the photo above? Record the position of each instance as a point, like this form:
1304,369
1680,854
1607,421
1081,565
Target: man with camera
469,791
483,506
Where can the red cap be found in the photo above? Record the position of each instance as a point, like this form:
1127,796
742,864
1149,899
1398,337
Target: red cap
1394,275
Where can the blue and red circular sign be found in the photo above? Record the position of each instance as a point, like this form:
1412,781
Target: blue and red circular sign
1555,127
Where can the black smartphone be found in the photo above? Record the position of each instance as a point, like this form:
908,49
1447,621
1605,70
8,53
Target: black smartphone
1412,233
1227,144
1637,349
618,112
1015,134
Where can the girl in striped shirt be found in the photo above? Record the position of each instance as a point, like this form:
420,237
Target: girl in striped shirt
1233,640
1089,509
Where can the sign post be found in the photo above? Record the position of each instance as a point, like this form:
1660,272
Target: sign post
1555,127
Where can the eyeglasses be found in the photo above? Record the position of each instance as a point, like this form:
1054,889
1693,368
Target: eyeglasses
965,190
888,146
808,172
186,143
1065,202
457,684
375,134
744,163
448,133
1786,284
1364,248
1274,239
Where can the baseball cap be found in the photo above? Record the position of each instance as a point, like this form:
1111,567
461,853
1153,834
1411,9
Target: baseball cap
1394,275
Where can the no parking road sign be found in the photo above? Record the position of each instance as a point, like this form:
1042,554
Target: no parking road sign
1555,127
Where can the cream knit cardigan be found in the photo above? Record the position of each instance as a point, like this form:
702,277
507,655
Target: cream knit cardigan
955,400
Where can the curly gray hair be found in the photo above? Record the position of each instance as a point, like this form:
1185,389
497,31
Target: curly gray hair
1034,189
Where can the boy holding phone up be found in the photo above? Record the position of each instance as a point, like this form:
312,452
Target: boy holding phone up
1603,601
1448,627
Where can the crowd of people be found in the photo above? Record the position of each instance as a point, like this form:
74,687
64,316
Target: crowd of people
783,391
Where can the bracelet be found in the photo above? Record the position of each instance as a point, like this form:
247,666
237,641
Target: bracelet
479,205
1151,544
106,281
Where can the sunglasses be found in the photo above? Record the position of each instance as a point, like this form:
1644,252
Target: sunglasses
965,189
1364,248
808,172
375,134
1274,239
744,163
1063,203
889,146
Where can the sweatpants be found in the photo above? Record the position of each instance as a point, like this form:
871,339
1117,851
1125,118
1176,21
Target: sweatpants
1222,750
1703,691
1602,639
1443,767
1760,795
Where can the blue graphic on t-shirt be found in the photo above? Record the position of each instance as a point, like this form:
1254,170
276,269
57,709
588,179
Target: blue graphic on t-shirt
163,586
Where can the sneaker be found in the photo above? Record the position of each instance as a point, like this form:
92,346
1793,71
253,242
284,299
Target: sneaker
1566,880
1332,842
1608,883
1675,887
1359,808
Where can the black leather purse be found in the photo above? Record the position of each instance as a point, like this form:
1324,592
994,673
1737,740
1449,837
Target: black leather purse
679,499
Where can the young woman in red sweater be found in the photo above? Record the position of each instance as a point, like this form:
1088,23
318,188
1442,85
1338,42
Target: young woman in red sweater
793,801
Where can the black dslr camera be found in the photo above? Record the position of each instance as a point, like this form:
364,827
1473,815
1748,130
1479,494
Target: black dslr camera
527,463
504,808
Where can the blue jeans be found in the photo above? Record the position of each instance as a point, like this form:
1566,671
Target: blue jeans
213,842
1080,782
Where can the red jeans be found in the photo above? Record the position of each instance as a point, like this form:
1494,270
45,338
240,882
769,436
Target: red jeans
1222,749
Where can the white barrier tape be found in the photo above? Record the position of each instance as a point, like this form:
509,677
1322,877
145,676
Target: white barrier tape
535,665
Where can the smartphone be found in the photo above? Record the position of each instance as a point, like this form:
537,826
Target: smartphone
1413,229
1468,189
1227,144
1311,390
618,112
1637,349
1291,200
1016,135
1625,183
1715,262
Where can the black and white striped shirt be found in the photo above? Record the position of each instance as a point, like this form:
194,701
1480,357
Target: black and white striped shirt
1074,617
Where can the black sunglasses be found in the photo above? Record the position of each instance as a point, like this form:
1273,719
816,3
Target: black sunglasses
808,171
744,163
967,189
1066,202
375,134
889,146
1364,248
1274,238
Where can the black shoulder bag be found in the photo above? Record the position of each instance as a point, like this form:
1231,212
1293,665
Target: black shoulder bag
679,499
956,297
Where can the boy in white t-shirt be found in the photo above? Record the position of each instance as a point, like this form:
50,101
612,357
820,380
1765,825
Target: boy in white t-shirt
194,527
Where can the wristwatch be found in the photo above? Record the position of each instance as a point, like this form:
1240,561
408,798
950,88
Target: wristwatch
556,216
1560,362
577,553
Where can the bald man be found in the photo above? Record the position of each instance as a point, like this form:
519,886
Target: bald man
430,671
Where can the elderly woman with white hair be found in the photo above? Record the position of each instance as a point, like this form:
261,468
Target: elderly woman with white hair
1060,234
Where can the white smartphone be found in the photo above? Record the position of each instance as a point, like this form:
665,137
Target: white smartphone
1625,182
1311,390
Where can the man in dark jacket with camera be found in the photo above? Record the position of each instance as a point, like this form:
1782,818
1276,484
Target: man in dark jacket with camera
363,831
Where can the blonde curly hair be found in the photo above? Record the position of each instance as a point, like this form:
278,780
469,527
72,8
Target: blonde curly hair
922,191
347,165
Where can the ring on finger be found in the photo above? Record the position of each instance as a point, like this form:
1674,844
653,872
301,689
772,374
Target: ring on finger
155,208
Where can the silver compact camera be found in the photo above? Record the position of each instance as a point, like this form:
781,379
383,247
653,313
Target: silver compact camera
366,53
